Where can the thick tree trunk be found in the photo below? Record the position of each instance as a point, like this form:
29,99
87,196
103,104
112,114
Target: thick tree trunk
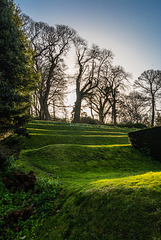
77,111
153,111
101,116
42,116
46,111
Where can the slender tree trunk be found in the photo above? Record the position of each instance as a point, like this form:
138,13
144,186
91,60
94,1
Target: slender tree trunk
54,115
92,115
77,109
101,116
114,108
153,110
114,113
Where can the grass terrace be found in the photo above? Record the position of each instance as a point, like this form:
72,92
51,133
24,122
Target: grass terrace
109,190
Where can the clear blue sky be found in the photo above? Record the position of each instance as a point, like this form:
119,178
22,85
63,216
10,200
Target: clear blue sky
130,28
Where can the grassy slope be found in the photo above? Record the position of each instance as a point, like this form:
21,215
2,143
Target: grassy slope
109,190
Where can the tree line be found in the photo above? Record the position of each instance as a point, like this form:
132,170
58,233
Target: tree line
33,78
97,82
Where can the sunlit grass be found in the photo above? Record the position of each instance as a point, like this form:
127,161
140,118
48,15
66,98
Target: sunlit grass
109,146
110,191
79,153
67,132
106,136
82,165
150,180
40,140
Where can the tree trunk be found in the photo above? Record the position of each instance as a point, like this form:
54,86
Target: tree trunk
92,115
54,114
153,110
42,115
101,116
77,109
46,111
114,113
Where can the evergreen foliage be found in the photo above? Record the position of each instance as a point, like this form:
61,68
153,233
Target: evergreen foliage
17,75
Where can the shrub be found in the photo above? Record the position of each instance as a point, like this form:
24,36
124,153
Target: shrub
132,125
22,212
10,147
147,140
89,120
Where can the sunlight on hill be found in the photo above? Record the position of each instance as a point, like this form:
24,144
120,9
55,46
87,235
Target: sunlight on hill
150,180
109,190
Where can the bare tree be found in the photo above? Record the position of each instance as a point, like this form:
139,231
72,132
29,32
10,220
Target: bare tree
149,82
50,45
114,82
89,63
98,99
132,107
98,103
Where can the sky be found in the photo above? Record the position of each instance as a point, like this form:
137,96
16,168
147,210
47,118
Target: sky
130,28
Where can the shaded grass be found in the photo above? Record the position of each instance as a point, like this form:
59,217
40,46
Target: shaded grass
114,214
65,159
77,128
40,140
43,134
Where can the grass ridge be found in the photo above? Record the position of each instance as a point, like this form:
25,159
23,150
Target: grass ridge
110,191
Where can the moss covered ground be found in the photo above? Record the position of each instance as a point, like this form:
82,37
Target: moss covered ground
109,190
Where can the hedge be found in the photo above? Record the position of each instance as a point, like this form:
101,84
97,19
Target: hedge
147,141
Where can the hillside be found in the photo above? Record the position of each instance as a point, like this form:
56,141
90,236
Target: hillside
107,189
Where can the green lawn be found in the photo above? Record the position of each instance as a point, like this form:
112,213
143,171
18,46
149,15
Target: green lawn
109,190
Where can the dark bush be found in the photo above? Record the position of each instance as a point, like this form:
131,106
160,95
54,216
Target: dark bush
132,125
89,120
20,181
10,147
14,216
147,141
13,141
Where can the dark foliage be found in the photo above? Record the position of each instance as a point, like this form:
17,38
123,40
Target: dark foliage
20,181
10,147
132,125
17,75
24,211
89,120
147,141
13,218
